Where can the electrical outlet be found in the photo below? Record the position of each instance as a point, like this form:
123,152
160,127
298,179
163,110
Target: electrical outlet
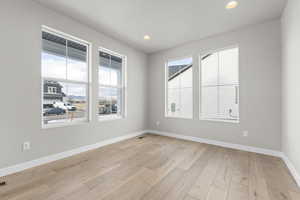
157,123
245,133
26,146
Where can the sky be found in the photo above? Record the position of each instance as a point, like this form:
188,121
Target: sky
55,67
184,61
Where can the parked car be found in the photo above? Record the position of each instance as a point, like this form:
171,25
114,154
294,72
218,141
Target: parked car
108,109
54,111
65,106
114,108
70,107
48,106
59,105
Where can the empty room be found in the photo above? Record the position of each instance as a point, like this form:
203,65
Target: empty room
150,100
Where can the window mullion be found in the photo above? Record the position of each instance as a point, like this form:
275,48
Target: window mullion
218,87
178,93
111,86
67,57
64,80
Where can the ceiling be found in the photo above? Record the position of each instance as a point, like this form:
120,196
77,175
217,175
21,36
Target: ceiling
168,22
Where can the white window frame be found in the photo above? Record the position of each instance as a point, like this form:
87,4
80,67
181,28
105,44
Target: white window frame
204,118
88,83
166,74
123,86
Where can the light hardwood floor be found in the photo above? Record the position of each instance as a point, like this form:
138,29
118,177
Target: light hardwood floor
156,168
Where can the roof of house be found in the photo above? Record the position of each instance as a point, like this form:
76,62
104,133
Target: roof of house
176,70
59,40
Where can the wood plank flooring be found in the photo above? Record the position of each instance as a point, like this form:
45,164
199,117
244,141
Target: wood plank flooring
156,168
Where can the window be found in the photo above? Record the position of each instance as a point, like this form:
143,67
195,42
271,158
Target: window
220,85
52,90
179,88
111,99
65,79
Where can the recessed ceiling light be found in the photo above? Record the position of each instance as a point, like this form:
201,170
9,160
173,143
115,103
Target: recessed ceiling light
147,37
232,4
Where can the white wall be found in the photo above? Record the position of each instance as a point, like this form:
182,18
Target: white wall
291,82
20,114
260,88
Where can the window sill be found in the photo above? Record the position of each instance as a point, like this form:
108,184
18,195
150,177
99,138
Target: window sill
109,118
175,117
66,124
220,120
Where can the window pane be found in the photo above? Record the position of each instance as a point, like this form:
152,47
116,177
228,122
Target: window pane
64,102
109,76
111,87
110,101
53,66
229,102
174,83
186,79
77,65
53,56
180,88
177,67
77,70
174,102
228,67
209,69
116,65
179,103
219,85
110,72
186,103
209,102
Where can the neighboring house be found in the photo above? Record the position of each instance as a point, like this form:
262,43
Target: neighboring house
52,92
177,70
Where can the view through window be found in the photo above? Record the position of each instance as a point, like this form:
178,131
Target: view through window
111,85
220,85
65,79
179,88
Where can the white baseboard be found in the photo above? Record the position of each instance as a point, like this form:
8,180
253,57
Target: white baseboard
40,161
292,169
280,154
218,143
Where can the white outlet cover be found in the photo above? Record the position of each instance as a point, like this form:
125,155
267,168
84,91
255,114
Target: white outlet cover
245,133
157,123
26,146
